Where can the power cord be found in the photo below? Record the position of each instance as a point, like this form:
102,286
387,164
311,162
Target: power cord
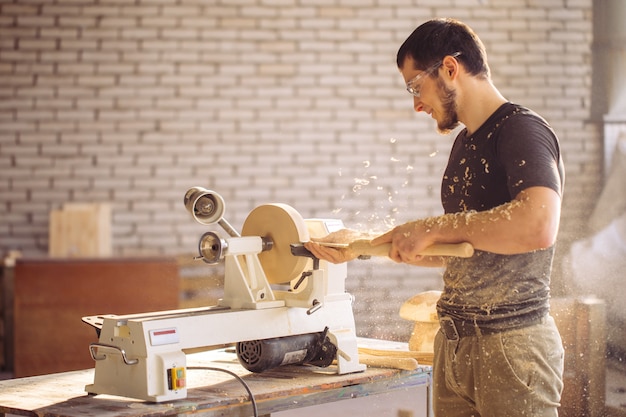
237,377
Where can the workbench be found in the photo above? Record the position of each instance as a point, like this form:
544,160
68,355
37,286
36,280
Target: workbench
213,393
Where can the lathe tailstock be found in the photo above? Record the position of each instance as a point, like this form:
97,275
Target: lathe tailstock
281,306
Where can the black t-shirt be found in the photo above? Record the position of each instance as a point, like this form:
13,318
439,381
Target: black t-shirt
513,150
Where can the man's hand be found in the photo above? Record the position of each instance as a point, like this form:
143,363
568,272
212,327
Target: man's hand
407,242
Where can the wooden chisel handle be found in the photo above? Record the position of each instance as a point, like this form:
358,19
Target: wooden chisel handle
364,248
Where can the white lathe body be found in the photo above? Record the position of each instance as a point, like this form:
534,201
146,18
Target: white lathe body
143,355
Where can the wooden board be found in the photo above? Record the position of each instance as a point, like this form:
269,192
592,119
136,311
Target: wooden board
582,325
80,230
210,393
51,297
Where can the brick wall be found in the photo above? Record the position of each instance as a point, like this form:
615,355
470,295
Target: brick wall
264,101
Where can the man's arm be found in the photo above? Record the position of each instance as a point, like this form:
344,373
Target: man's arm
529,222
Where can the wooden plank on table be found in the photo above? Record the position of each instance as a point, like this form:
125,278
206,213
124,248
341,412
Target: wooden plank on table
51,296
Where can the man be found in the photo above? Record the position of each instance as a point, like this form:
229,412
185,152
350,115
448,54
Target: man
498,353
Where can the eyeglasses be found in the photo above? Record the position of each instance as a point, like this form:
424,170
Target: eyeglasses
413,88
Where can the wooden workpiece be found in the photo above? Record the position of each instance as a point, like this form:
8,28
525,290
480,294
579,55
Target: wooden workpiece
283,225
210,393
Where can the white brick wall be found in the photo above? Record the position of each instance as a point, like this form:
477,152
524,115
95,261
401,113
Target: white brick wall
263,101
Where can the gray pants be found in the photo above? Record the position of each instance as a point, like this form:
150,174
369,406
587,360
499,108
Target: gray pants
514,373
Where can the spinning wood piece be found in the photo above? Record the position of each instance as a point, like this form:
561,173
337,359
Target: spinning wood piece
283,225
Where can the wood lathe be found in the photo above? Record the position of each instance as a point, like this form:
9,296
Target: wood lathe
280,307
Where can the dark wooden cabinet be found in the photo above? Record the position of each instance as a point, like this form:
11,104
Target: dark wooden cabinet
52,295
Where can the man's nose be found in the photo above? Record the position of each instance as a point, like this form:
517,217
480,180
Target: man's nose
417,104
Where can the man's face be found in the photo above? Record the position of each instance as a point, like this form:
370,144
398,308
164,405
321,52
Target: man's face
435,97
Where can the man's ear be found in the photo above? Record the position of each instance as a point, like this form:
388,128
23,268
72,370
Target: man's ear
451,67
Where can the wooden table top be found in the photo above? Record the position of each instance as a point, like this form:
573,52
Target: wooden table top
210,393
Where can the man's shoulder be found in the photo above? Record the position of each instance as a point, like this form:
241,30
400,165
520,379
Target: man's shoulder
517,112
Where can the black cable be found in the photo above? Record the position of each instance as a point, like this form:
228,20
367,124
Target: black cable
237,377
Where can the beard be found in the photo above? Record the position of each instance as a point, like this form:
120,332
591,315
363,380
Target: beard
448,103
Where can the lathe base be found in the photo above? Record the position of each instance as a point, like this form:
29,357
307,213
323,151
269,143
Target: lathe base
139,356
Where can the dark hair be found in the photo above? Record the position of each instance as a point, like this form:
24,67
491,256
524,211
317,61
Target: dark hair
437,38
